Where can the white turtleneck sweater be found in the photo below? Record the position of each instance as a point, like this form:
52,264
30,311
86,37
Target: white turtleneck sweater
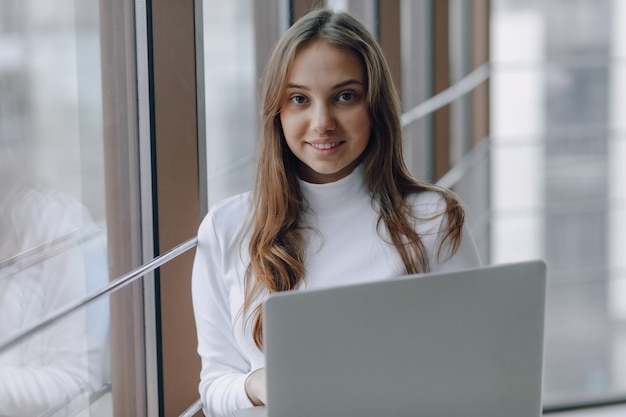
343,248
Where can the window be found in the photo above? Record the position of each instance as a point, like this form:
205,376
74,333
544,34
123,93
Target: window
557,194
53,213
114,140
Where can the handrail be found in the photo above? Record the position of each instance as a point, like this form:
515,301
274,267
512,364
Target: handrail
447,96
112,286
467,162
46,251
193,409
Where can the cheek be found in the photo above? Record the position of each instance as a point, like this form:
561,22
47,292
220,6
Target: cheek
287,124
289,131
293,126
361,125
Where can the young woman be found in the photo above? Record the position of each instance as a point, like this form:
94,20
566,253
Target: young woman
333,203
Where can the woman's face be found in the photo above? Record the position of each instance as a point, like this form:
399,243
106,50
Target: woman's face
324,112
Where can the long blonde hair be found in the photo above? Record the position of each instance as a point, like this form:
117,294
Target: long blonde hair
276,247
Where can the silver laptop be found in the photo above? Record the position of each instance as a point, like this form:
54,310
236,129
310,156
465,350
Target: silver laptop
461,344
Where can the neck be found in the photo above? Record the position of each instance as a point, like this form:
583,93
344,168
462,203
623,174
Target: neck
336,197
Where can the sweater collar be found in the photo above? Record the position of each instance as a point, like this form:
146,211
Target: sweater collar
337,197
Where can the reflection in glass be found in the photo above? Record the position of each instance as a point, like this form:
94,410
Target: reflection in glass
43,269
52,244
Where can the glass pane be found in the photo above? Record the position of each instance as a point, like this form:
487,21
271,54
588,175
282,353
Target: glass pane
231,102
51,153
53,242
62,369
558,183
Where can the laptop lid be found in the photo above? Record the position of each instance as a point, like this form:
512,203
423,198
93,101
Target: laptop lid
460,344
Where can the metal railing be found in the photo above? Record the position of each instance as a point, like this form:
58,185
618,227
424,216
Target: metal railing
447,96
109,288
45,251
193,409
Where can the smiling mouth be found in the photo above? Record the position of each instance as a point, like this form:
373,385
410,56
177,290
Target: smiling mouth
325,145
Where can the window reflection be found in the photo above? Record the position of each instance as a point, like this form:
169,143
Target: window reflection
42,270
52,240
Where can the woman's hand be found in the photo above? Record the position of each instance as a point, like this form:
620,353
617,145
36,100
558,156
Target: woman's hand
256,387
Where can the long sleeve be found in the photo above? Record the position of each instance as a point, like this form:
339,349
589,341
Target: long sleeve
49,369
345,245
58,379
224,367
465,257
26,391
432,206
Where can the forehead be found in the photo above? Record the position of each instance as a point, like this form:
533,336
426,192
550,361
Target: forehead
318,61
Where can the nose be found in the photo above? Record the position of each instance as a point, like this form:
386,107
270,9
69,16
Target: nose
323,119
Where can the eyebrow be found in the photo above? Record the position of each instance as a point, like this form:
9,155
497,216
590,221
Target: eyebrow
334,87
